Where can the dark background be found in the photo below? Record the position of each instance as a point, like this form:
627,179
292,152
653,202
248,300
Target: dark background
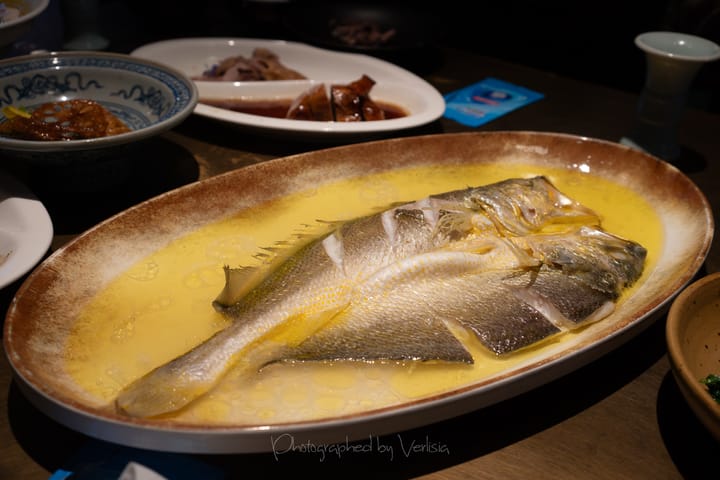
590,40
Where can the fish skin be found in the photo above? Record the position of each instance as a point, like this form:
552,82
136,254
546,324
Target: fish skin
392,315
322,279
582,275
508,305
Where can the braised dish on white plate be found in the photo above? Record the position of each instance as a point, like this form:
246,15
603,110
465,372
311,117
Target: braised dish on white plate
418,101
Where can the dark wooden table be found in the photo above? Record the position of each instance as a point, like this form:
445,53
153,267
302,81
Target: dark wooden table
620,417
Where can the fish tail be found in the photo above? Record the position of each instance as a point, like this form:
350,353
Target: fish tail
174,385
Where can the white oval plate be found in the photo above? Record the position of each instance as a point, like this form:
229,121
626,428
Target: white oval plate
395,85
25,230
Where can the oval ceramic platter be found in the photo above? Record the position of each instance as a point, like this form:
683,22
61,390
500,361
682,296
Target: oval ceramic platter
54,368
394,85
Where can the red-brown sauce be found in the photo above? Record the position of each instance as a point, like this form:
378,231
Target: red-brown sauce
64,120
279,108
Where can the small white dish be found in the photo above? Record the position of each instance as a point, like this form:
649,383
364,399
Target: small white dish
26,230
394,85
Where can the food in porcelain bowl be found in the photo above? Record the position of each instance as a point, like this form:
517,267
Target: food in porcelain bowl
58,104
693,342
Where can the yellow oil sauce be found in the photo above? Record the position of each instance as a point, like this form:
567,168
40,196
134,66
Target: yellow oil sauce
161,307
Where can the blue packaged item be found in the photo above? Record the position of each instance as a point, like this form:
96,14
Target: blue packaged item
486,100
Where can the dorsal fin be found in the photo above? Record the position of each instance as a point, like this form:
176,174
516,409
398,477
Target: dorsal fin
240,280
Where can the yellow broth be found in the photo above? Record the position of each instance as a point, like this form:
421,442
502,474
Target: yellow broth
161,307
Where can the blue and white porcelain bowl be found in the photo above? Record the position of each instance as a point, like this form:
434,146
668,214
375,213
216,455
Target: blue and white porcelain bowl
148,97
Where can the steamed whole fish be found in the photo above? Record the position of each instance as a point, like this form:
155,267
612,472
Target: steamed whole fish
513,263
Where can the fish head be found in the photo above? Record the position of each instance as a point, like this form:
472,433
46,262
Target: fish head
609,262
525,206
